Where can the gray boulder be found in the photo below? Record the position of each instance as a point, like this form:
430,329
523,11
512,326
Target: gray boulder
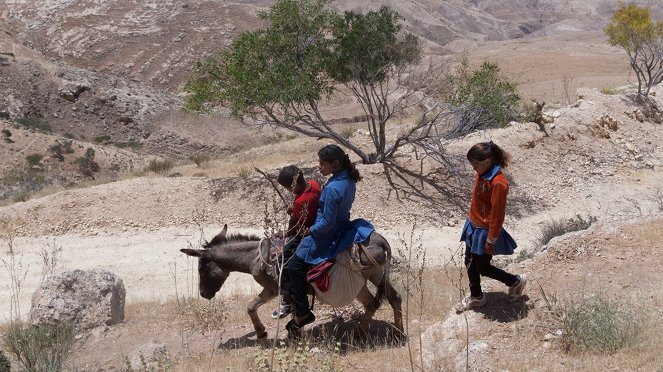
86,299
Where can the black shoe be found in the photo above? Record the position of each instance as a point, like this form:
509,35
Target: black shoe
294,326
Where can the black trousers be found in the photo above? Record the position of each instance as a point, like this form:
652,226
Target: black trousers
297,269
288,251
478,265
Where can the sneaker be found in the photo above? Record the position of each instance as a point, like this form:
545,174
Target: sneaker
516,290
283,311
470,302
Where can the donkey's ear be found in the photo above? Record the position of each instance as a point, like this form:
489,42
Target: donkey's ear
224,231
193,252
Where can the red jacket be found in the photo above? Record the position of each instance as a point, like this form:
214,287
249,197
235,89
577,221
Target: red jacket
489,203
305,206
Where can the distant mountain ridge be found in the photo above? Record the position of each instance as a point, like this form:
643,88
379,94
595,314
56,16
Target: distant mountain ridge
157,42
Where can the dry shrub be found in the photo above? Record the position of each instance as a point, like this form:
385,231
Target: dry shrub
159,166
601,325
562,226
200,315
42,347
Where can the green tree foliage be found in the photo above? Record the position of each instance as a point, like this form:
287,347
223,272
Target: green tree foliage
483,99
279,75
632,29
371,57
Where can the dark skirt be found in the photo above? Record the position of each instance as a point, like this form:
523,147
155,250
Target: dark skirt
475,238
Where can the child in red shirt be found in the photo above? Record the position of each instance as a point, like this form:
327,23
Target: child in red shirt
483,233
302,216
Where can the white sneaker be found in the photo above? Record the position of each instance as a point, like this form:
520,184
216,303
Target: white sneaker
283,311
515,291
471,302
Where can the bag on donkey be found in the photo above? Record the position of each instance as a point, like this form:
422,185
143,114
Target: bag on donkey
342,279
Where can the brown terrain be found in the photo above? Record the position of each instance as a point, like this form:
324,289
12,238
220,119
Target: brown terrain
108,76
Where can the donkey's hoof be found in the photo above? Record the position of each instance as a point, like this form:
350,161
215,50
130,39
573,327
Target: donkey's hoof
261,335
398,335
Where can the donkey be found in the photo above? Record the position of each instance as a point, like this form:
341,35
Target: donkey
249,254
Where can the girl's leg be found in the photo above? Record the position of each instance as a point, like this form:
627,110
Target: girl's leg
484,267
473,274
297,269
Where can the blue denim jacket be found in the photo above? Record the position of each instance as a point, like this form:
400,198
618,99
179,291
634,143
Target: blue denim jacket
332,227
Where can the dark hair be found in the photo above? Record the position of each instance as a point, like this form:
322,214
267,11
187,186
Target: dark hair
288,174
331,153
487,150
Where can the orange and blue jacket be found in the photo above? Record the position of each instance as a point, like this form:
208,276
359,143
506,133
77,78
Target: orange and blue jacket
488,206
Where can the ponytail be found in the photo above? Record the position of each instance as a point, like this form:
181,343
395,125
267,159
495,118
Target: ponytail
331,153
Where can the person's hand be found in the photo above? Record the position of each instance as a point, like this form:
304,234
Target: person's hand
489,248
289,210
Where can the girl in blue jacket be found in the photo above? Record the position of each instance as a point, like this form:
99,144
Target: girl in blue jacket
321,241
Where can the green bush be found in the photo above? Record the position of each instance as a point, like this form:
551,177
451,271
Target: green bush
34,159
34,123
609,91
86,164
6,134
348,132
130,144
5,365
601,325
563,226
42,347
523,255
482,99
102,139
60,148
4,115
20,183
159,166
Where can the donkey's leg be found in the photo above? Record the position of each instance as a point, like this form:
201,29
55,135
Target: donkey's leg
265,296
395,300
392,296
366,298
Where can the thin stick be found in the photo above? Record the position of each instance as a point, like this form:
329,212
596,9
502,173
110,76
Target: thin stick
271,180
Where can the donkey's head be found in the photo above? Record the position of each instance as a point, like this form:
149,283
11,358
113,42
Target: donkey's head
211,274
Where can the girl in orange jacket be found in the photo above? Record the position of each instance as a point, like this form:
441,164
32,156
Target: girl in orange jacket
483,233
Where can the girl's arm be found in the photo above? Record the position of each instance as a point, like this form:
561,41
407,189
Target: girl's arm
325,222
497,208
